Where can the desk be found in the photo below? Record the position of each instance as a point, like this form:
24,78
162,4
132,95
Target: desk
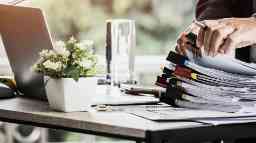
117,124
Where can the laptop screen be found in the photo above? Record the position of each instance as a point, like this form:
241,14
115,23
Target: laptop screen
24,34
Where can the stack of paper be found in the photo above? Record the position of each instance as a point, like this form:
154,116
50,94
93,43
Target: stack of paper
221,83
163,112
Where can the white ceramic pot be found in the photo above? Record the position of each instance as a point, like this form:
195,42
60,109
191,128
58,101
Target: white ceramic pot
67,95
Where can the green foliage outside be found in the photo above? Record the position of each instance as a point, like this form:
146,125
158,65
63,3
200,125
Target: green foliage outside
158,21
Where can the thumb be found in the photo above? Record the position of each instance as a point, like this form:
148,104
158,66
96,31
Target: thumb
227,46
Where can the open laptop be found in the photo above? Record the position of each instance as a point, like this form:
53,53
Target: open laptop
24,34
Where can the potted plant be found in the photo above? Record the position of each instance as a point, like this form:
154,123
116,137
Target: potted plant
69,71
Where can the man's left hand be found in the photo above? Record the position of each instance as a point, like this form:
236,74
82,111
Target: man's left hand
223,35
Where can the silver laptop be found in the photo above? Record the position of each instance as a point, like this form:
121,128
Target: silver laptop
24,33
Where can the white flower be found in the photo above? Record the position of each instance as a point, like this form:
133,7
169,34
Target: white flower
46,53
60,48
43,53
87,64
52,65
85,45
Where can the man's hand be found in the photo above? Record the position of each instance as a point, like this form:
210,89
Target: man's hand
183,43
221,36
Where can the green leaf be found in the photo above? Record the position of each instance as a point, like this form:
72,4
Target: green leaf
72,72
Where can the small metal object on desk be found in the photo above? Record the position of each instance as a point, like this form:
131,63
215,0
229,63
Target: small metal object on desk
103,108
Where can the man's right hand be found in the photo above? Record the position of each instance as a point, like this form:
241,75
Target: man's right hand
183,43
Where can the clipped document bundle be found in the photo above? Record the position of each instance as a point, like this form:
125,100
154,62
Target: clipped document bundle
220,83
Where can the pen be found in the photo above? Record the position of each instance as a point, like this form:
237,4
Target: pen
200,24
140,91
108,50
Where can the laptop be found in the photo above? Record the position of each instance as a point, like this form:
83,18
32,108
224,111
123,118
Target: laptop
24,34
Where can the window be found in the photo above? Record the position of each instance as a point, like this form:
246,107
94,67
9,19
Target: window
158,24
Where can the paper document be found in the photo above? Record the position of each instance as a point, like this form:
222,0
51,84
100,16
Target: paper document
169,113
228,121
225,63
218,84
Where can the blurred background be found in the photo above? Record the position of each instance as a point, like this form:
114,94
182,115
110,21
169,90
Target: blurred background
158,23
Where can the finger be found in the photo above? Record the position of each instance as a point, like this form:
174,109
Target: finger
180,50
196,52
182,38
207,38
193,51
230,42
202,30
184,44
183,48
177,49
199,53
218,37
212,36
200,37
228,45
228,31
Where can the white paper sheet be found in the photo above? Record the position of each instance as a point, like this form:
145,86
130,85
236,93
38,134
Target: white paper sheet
228,121
225,63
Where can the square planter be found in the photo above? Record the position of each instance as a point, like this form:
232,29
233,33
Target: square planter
67,95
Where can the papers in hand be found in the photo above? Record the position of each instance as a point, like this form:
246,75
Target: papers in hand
225,63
